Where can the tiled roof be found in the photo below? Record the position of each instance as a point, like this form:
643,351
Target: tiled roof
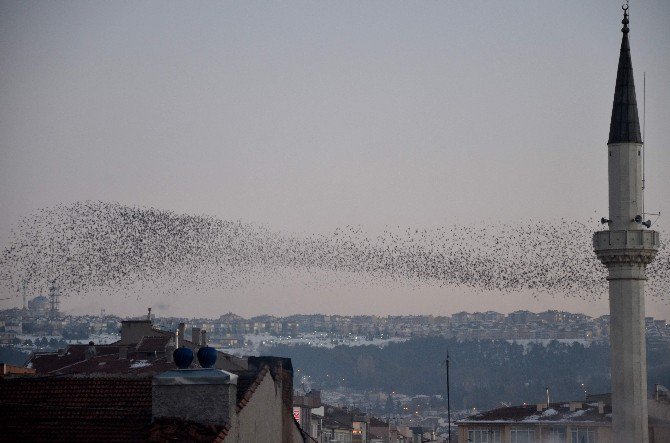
247,382
45,363
112,364
176,429
338,418
558,412
331,423
150,350
75,409
377,423
105,361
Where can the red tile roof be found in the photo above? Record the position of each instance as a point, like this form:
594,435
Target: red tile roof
112,364
75,409
150,350
45,363
176,429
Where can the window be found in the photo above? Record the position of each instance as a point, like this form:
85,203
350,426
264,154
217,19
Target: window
484,435
556,435
584,435
523,435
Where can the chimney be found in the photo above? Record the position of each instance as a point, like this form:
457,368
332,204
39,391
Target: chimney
575,405
601,407
90,352
149,315
181,329
203,395
169,349
132,331
195,335
548,402
203,337
123,353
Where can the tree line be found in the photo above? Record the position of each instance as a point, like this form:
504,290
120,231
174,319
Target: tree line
483,373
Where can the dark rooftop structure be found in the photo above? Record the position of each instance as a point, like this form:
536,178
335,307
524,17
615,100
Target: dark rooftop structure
555,413
132,390
110,408
142,349
568,421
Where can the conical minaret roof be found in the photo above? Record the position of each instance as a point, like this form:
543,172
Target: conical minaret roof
625,124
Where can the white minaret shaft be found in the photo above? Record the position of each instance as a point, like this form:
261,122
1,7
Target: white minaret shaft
625,185
626,249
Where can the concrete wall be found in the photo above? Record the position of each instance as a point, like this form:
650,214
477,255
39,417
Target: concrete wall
200,403
659,410
132,331
659,434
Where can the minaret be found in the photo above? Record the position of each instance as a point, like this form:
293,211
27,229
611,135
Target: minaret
626,249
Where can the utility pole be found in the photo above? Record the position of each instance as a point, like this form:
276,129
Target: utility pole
448,401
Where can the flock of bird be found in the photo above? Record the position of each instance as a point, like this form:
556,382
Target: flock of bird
99,245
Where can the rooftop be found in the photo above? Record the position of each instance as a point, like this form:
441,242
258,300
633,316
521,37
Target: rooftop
75,409
556,412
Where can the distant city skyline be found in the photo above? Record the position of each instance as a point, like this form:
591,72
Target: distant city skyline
307,117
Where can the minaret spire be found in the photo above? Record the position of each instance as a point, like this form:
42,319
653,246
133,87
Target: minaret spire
626,248
625,124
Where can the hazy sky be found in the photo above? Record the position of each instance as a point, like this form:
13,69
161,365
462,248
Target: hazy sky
306,116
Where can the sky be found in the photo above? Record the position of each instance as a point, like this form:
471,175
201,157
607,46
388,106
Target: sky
308,116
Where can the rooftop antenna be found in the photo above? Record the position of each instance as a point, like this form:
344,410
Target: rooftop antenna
644,126
547,396
23,291
648,223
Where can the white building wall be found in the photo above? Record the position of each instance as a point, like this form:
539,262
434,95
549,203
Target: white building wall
260,420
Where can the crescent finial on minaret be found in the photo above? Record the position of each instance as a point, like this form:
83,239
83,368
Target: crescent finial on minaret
625,18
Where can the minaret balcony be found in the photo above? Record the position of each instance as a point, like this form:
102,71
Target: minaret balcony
626,246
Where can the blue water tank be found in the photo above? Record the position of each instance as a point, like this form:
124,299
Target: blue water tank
183,357
207,357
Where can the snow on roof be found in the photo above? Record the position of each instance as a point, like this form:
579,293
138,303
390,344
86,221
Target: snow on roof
140,364
555,413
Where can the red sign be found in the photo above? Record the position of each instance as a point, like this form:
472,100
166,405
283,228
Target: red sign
296,414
